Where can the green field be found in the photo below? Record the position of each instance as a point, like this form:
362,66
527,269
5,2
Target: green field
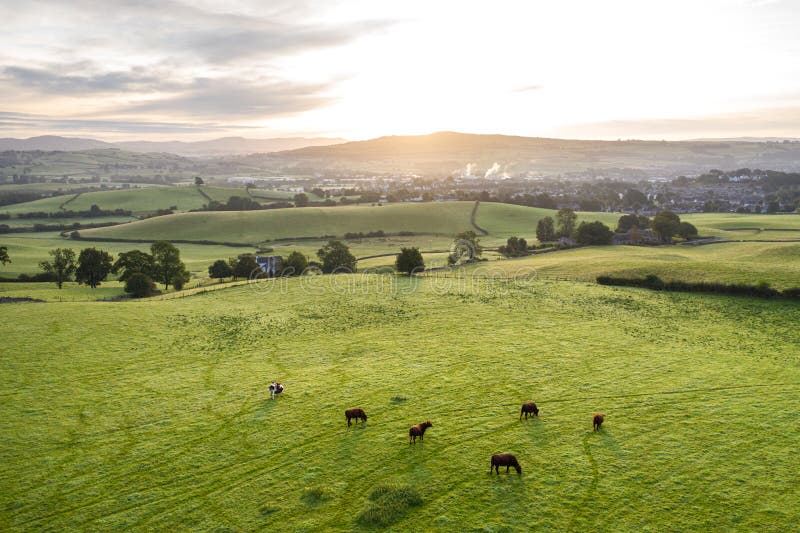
154,415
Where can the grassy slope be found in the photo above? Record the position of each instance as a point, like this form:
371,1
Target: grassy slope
256,226
154,414
750,262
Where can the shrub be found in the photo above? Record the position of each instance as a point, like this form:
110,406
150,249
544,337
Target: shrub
409,261
389,504
139,285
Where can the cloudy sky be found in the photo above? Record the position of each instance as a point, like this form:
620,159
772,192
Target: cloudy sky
169,69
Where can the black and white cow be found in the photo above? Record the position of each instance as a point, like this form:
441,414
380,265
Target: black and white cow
275,388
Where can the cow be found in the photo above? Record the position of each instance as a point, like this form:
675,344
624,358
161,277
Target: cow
357,414
275,388
418,431
504,459
529,408
597,421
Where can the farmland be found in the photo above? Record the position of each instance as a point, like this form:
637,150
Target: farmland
155,414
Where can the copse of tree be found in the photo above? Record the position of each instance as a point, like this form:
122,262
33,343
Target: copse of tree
93,267
666,224
61,267
514,247
295,264
244,266
301,199
139,285
687,230
133,262
409,261
593,233
220,269
546,229
566,219
336,257
4,259
167,265
628,222
198,180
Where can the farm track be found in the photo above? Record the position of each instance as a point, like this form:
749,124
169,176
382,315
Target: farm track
70,199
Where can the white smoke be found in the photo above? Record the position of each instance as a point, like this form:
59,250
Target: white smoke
469,169
492,171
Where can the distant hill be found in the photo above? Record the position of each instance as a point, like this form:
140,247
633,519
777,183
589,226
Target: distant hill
450,152
216,147
50,143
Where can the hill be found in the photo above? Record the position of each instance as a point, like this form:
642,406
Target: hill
449,152
168,424
214,147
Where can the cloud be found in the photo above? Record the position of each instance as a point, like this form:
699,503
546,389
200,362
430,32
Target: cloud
48,80
529,88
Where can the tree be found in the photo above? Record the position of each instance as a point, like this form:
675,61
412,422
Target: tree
628,222
567,219
635,199
466,246
133,262
4,259
139,285
244,265
336,257
546,230
93,267
62,265
665,224
409,260
167,264
301,199
514,247
687,230
589,233
220,269
198,180
295,264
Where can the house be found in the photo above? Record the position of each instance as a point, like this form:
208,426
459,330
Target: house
270,264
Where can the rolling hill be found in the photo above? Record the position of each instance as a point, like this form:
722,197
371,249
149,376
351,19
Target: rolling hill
449,152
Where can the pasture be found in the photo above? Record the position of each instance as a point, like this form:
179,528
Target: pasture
154,414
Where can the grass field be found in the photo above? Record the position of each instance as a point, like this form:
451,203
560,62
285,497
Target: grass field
154,415
747,262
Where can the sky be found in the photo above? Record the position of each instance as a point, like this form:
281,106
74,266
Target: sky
174,70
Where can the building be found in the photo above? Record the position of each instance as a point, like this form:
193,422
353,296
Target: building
270,265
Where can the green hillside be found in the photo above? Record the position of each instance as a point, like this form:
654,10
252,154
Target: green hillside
155,415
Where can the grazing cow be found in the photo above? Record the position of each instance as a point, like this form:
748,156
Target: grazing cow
529,407
357,414
418,431
275,388
597,421
504,459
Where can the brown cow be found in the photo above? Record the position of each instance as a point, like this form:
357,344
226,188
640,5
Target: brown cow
357,414
504,459
529,407
418,431
597,421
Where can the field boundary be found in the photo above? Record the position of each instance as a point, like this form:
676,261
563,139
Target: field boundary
472,217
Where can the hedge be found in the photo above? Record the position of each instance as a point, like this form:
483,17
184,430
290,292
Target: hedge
760,290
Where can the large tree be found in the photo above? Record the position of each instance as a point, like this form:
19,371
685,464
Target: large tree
336,257
687,230
139,285
61,267
4,259
93,266
244,266
628,222
409,260
466,246
220,269
546,229
567,219
666,224
514,247
596,232
301,199
295,264
133,262
167,264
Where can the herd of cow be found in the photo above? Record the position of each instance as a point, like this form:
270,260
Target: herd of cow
418,430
